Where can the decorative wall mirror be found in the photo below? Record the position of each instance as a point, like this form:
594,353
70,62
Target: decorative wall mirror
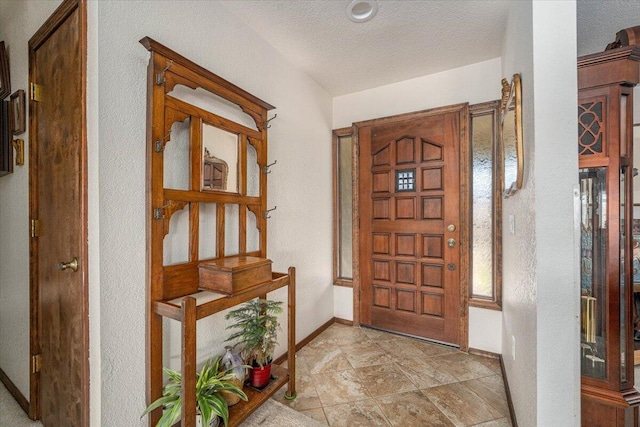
511,134
219,159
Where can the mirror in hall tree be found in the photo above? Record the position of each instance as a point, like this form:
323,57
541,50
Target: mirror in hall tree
511,134
219,159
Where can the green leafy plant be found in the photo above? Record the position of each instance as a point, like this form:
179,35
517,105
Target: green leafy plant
210,381
257,332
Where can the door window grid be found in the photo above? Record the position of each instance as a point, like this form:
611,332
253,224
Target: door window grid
405,180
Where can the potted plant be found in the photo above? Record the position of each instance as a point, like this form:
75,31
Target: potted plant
257,333
211,381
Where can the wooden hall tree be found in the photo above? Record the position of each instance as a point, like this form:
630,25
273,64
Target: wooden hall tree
183,140
605,115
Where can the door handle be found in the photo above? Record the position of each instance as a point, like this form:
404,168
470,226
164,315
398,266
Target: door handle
451,242
73,265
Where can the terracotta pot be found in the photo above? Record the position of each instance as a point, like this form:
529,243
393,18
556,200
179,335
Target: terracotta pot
259,376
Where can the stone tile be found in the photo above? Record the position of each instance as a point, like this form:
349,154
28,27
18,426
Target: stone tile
491,389
375,334
467,388
490,362
461,405
386,379
364,413
323,359
339,387
411,409
502,422
425,373
307,397
463,366
398,347
364,354
301,366
344,335
326,338
432,349
317,414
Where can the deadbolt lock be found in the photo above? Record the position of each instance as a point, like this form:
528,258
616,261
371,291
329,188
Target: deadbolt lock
451,228
451,267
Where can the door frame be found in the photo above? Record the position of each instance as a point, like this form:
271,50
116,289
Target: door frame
66,8
465,205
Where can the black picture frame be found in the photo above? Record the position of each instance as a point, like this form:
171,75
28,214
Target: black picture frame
5,81
6,147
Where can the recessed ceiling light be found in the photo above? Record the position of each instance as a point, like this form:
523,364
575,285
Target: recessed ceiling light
362,10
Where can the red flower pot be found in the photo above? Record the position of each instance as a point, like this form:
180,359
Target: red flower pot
259,376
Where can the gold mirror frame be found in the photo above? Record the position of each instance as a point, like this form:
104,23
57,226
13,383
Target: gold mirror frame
511,106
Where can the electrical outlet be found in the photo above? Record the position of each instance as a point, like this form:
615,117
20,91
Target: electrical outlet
513,347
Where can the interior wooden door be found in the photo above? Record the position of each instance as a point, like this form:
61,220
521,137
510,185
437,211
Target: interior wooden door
410,225
58,200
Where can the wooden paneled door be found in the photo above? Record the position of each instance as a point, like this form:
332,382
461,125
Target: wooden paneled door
58,211
410,223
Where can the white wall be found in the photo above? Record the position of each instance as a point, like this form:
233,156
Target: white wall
300,229
540,285
556,166
474,84
18,22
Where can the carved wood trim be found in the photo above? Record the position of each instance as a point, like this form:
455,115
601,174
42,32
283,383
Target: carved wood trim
218,84
168,210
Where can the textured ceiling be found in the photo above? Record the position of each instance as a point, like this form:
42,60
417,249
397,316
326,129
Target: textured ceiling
407,38
600,20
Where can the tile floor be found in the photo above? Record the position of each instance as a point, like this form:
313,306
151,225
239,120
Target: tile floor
362,377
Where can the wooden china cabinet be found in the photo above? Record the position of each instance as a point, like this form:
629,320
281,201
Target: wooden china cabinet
206,211
605,145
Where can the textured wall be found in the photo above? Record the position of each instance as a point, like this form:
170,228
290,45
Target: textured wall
519,249
555,174
474,83
300,140
539,287
18,22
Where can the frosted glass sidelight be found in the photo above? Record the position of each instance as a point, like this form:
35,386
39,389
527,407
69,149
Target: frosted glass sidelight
345,229
483,196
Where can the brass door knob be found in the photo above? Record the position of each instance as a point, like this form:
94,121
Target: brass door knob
451,242
73,265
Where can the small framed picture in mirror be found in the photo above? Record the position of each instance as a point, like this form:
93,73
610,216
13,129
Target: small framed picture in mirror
18,122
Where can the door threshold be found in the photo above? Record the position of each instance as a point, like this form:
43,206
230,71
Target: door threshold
423,339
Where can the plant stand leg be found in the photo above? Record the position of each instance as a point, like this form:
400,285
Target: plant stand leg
291,350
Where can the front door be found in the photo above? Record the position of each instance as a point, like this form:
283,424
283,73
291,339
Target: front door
409,186
58,202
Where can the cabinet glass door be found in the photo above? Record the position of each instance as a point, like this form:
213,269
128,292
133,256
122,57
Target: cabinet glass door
593,253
